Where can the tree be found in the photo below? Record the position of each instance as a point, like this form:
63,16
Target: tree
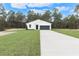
2,17
70,21
2,10
65,22
77,15
2,23
31,16
19,17
46,16
10,18
56,14
77,10
18,22
37,16
57,18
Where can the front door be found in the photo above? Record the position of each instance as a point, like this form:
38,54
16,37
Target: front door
36,26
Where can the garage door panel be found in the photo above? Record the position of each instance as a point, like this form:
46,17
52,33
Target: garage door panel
44,27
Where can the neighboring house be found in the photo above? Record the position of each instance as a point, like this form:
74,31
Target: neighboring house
39,25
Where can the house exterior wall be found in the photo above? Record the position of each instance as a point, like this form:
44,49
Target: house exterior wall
39,23
33,26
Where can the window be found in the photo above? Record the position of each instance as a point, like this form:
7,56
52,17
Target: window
30,25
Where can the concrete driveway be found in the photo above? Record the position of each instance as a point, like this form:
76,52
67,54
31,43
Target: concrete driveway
56,44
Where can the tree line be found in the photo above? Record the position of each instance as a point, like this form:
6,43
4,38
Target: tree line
70,21
18,20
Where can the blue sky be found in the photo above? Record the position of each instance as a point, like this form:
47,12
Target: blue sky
64,8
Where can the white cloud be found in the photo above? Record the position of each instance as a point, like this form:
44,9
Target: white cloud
39,11
23,5
18,5
63,8
71,11
38,4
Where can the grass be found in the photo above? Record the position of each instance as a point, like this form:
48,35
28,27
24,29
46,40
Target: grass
21,43
71,32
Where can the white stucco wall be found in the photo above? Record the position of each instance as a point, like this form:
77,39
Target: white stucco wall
39,23
33,26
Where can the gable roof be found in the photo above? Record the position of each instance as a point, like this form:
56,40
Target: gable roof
39,21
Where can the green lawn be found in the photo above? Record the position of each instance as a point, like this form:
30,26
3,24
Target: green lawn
71,32
21,43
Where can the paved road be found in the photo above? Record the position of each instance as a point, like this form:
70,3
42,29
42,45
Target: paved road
2,33
8,31
56,44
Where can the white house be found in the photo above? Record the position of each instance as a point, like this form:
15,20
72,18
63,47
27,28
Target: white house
39,25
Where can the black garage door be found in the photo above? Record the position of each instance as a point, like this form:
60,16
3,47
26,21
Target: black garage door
44,27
